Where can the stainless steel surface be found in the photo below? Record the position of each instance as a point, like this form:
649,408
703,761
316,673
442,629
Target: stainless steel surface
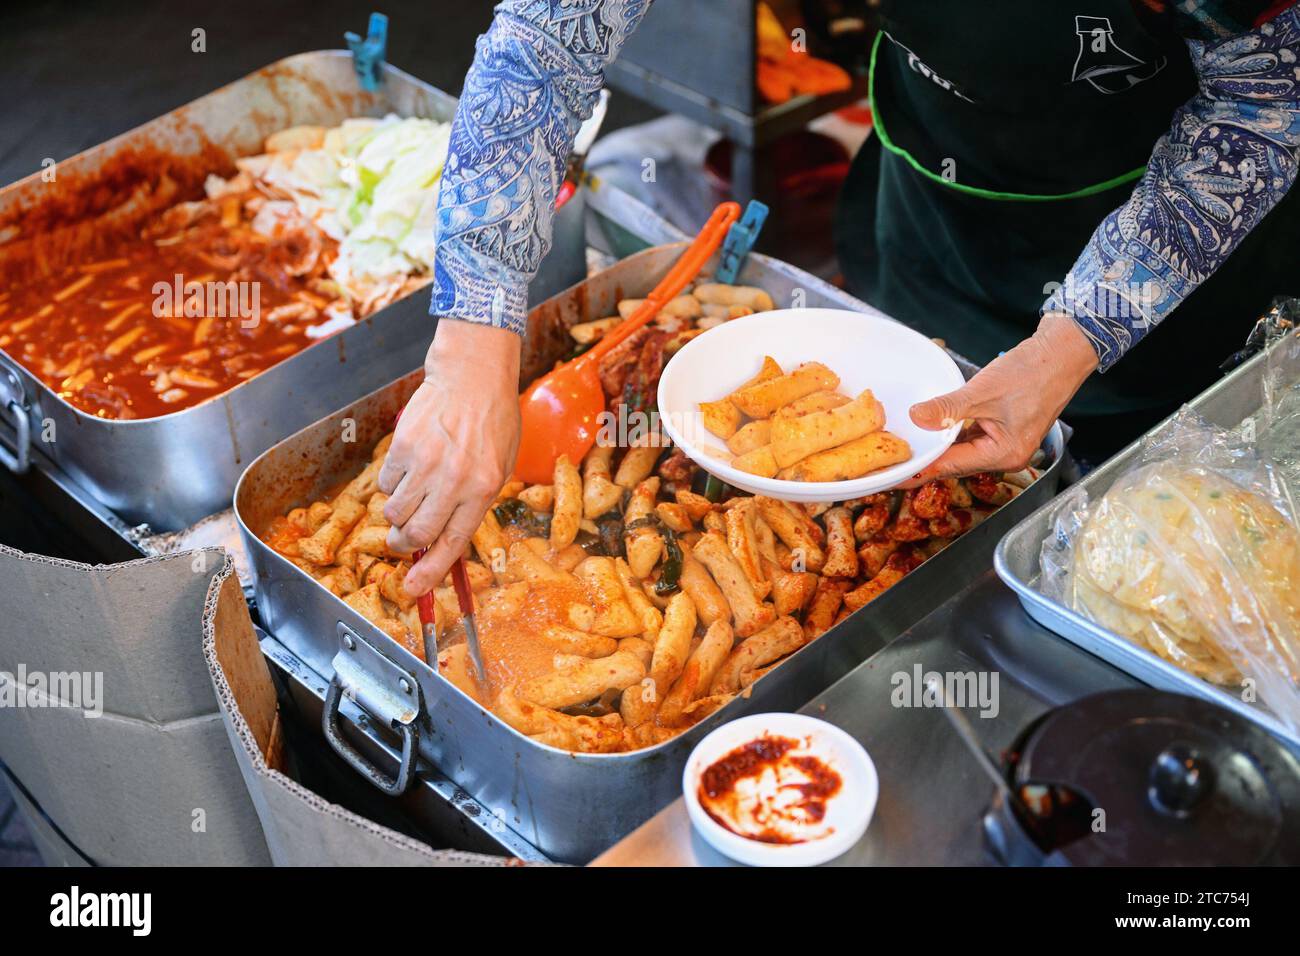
962,728
540,790
442,811
173,470
1235,398
933,793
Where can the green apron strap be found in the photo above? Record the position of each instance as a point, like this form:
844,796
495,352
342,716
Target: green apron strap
911,160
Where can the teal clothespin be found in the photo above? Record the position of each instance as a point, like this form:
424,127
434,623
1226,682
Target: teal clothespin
740,239
368,54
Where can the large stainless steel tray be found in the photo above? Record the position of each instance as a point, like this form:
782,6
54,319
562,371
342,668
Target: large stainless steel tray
1228,403
173,470
570,806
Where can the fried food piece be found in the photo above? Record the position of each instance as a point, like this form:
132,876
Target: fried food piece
754,435
367,602
572,641
614,616
793,532
389,578
455,664
906,525
742,541
715,293
782,637
525,564
367,539
764,398
697,506
841,558
599,493
577,679
639,461
873,517
864,594
651,617
320,547
791,590
365,484
674,642
584,333
685,306
750,614
639,648
674,517
707,597
931,500
794,439
340,581
317,514
643,541
990,489
567,508
757,462
721,418
825,603
540,498
490,545
851,460
816,402
698,675
549,726
874,552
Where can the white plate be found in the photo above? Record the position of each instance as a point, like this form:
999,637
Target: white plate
848,812
900,366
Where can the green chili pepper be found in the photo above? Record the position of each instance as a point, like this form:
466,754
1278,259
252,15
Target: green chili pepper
670,576
514,511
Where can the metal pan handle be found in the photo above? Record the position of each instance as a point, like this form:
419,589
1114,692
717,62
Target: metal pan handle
13,399
382,690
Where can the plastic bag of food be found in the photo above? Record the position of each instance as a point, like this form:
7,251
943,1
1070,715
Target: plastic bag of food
1194,555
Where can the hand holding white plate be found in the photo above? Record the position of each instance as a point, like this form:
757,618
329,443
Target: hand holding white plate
901,367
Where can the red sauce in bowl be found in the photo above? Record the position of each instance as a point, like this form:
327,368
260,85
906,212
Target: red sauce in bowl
766,790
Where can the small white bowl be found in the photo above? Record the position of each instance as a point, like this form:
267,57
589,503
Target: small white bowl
900,366
848,812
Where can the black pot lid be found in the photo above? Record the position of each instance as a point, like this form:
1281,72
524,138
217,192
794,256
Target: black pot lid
1178,780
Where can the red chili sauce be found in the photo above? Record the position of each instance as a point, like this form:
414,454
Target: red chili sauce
796,796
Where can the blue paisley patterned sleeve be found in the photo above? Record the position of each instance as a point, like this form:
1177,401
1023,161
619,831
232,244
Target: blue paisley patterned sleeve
536,76
1230,155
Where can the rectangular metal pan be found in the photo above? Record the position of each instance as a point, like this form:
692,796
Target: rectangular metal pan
1231,401
571,806
175,469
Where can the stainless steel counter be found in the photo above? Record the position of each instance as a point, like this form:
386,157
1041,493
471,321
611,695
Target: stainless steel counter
932,792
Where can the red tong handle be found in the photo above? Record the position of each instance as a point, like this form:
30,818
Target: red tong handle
460,581
424,603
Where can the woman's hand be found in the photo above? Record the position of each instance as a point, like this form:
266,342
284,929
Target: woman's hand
454,446
1014,400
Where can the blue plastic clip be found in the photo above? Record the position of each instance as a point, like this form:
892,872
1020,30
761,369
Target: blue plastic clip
368,54
740,239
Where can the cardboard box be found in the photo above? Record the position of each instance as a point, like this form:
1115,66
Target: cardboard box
301,828
151,779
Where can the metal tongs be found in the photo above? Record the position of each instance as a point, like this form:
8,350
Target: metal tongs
465,599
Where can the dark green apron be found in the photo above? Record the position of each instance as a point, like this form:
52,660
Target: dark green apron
1005,133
